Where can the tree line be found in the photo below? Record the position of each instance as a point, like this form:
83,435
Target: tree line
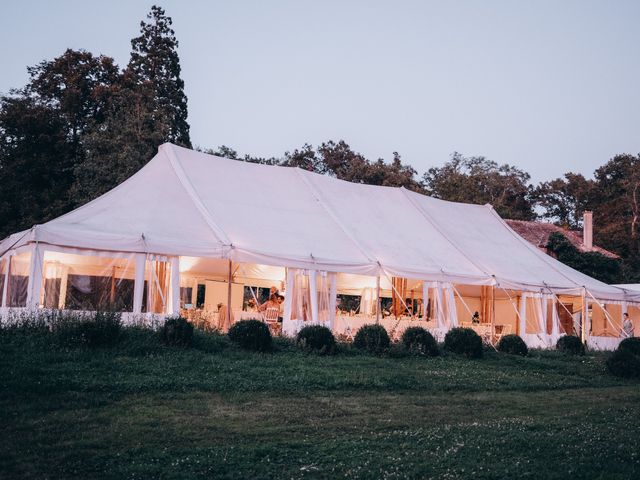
82,125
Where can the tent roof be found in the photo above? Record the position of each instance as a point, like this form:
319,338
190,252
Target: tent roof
189,203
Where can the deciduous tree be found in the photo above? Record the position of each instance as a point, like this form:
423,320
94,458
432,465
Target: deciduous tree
479,180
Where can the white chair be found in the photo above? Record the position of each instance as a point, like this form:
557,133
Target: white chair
271,314
270,317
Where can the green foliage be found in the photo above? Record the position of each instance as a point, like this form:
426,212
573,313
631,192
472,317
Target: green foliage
251,335
113,153
513,345
138,341
81,126
104,401
316,338
571,345
564,200
210,342
463,341
631,344
41,131
372,338
177,332
594,264
156,66
418,339
101,329
624,363
616,209
479,180
612,195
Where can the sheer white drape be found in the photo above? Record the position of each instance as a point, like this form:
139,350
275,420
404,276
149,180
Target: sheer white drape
288,324
368,301
539,319
450,304
323,286
438,306
443,305
333,296
297,304
310,299
425,301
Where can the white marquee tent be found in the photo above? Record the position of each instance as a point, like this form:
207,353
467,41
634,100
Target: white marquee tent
185,208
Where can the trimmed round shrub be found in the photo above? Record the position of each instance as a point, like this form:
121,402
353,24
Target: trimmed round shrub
571,345
372,338
177,332
464,341
631,344
623,363
513,345
418,339
316,338
251,335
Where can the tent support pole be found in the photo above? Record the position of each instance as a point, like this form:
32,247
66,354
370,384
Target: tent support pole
378,304
230,279
34,287
493,314
138,285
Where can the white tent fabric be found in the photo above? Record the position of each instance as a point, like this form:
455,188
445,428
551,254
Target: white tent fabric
189,203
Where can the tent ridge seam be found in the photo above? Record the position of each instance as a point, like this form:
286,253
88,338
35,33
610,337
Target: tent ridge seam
334,217
531,247
191,191
433,224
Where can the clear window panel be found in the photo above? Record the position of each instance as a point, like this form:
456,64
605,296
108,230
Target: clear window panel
18,279
88,283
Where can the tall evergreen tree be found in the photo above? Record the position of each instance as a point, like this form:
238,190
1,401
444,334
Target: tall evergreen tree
155,65
147,107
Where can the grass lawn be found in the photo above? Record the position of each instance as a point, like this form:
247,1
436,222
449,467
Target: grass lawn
138,410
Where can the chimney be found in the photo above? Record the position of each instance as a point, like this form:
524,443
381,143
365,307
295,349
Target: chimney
587,229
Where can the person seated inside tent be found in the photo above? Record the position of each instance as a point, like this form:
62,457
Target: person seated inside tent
251,305
475,320
418,308
627,325
281,312
273,302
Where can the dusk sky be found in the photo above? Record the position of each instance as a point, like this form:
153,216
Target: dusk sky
549,86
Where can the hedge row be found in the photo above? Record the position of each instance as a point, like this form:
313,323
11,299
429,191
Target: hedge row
104,329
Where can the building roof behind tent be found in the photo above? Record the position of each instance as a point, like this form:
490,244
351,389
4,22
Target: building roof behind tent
537,233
